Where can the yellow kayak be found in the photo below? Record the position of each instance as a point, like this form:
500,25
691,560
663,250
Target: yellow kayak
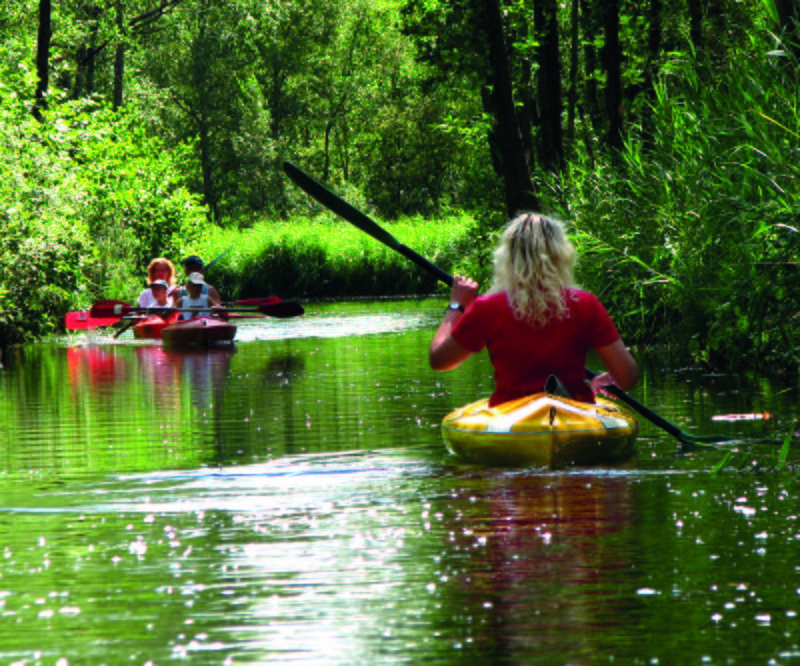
540,429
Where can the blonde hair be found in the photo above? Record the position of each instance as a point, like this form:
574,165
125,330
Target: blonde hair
161,260
533,265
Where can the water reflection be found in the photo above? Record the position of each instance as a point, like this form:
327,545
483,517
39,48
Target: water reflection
291,500
336,558
94,365
158,368
541,565
282,369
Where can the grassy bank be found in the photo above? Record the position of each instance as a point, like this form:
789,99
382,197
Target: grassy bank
325,257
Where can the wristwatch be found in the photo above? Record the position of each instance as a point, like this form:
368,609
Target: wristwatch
456,306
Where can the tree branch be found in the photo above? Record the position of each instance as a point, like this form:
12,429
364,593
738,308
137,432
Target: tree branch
143,20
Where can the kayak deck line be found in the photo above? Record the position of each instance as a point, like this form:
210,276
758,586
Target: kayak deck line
506,422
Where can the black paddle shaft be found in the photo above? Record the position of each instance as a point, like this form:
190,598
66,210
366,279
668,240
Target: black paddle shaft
618,393
360,220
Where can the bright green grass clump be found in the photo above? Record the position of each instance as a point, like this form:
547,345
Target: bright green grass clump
326,257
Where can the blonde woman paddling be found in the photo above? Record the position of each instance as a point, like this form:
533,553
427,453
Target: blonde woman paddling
534,322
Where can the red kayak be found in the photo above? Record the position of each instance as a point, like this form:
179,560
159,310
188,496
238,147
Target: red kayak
152,327
198,332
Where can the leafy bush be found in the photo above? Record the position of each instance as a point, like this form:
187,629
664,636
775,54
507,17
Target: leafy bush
140,208
88,200
41,237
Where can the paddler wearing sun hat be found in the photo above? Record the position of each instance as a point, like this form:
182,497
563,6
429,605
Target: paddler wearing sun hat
195,298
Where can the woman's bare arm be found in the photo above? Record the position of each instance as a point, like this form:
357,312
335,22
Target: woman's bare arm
622,368
445,353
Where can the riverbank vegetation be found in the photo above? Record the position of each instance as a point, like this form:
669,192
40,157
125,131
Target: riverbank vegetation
325,257
665,133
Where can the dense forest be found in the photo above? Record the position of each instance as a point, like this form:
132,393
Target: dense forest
665,132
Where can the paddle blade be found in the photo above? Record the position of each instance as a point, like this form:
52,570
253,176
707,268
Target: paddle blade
109,309
282,310
82,321
77,321
269,300
236,315
339,206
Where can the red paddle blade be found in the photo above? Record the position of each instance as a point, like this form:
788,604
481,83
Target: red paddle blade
76,321
81,321
282,310
269,300
110,309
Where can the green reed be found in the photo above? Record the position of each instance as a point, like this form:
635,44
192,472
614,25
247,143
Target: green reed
325,257
760,457
692,239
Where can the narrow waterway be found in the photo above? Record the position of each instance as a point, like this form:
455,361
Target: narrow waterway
290,500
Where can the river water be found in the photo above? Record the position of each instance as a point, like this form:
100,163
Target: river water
290,500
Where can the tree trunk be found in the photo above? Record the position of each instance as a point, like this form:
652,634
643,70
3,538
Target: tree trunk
590,94
80,72
651,70
572,94
327,167
696,24
207,166
612,64
119,58
551,139
43,58
203,83
527,109
504,139
344,150
91,58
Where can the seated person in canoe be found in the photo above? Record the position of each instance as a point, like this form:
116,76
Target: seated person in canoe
158,269
159,295
195,298
194,264
534,321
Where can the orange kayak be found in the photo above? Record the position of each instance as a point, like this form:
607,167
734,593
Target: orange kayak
151,327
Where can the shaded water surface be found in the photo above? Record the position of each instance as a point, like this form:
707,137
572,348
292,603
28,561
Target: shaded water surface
290,501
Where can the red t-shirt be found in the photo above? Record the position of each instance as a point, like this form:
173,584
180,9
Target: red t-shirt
524,355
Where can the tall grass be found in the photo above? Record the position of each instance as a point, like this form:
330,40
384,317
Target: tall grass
694,241
325,257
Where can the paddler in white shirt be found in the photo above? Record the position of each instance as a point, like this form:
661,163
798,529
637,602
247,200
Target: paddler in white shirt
194,264
159,270
195,298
